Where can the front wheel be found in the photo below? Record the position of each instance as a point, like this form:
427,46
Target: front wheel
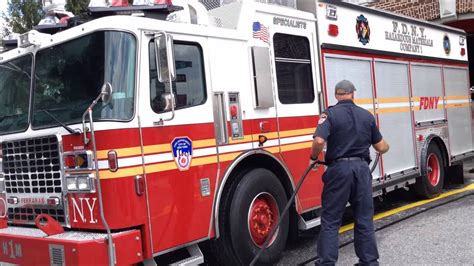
255,208
430,183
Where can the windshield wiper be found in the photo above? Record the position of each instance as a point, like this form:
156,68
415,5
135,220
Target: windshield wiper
70,130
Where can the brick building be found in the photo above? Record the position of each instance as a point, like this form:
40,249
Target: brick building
454,13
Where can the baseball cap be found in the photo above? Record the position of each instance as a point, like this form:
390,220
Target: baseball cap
345,86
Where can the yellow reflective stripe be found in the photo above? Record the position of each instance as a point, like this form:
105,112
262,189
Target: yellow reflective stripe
458,105
299,146
393,100
393,110
363,100
124,152
297,132
456,97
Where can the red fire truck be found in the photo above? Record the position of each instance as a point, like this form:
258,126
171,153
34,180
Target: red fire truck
153,129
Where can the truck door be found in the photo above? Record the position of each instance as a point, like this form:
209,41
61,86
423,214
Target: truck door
297,107
179,152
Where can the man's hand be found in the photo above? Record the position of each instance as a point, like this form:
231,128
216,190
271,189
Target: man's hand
314,164
381,147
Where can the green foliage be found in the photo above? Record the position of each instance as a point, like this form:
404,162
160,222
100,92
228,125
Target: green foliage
23,15
77,7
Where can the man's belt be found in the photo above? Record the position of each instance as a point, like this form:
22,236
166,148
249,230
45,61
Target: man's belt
350,159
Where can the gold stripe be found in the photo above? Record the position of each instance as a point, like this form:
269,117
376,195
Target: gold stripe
393,110
124,152
297,132
299,146
456,97
364,101
393,100
410,206
457,105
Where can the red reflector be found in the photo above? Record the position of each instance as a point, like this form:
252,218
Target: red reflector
420,137
463,51
119,3
112,159
233,111
333,30
69,161
162,2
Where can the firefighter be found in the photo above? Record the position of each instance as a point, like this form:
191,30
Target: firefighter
349,131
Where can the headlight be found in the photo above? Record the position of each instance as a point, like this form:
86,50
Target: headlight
71,183
80,183
83,183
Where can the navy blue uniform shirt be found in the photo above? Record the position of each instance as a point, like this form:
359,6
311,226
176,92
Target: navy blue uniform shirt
349,131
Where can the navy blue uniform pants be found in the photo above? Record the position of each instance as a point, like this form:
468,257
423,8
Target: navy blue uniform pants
347,181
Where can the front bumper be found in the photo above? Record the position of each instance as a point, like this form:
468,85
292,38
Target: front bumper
30,246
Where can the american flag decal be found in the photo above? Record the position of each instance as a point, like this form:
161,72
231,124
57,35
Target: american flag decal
260,31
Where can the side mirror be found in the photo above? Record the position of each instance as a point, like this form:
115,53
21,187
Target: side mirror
106,93
165,57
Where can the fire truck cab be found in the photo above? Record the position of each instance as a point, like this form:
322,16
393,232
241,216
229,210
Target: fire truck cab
158,128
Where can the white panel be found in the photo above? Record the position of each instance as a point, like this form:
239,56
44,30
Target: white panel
396,126
459,118
427,84
356,71
456,81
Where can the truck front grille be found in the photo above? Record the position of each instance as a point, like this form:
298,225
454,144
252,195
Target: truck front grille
32,165
32,173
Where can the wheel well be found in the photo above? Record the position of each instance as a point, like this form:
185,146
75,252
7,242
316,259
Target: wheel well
442,147
261,160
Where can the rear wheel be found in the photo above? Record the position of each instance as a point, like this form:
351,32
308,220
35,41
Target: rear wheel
430,183
253,210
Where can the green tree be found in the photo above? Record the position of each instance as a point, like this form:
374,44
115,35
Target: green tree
77,7
23,15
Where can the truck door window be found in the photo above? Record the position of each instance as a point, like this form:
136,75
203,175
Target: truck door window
293,69
189,87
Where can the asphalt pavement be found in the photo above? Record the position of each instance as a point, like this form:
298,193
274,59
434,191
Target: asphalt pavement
439,231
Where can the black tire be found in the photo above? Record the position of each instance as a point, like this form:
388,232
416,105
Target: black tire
430,183
236,243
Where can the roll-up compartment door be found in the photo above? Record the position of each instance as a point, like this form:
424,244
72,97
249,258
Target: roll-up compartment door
427,87
359,72
458,110
395,120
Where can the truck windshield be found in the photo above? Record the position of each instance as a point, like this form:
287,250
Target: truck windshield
15,82
69,76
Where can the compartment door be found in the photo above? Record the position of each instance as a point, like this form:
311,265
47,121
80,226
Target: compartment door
458,107
395,118
358,70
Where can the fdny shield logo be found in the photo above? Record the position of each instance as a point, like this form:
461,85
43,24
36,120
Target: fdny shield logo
446,44
182,148
363,29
